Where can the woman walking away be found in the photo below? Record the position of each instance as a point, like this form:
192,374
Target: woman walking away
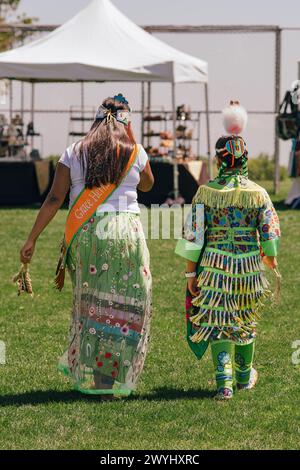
105,252
232,227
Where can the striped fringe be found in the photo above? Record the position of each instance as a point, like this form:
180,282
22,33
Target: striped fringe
230,302
242,332
231,264
220,199
248,284
219,318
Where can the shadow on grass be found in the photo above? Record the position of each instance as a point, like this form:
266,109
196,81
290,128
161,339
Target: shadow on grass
40,397
166,394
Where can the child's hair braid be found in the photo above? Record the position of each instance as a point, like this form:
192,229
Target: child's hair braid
245,165
222,168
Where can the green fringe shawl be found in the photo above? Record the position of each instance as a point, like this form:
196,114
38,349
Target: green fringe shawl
249,197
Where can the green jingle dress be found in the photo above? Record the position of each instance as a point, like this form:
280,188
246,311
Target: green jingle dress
232,222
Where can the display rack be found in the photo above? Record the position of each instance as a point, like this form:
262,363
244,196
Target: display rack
159,140
80,117
14,139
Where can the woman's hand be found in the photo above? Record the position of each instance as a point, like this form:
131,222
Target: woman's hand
53,202
27,251
192,286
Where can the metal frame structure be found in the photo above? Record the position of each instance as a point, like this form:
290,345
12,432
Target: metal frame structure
207,29
240,29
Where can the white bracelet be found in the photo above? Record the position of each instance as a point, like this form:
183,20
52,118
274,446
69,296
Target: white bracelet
191,275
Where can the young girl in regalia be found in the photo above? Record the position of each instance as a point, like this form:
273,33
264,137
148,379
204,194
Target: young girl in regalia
232,229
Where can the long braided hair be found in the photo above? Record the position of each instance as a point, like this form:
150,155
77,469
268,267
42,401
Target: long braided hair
228,163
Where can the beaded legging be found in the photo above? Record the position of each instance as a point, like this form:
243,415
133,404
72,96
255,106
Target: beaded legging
229,358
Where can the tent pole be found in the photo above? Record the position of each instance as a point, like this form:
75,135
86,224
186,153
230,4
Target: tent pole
278,37
22,95
175,164
22,101
10,101
142,111
149,111
32,111
210,169
82,106
198,133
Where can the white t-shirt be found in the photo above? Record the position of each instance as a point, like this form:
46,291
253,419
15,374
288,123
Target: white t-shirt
124,198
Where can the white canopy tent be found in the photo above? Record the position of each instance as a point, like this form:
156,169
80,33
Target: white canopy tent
101,44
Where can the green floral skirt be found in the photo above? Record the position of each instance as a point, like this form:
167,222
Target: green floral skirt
109,266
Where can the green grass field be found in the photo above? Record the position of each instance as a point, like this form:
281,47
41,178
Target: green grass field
173,407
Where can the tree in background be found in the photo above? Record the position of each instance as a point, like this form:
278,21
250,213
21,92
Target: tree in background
262,168
7,13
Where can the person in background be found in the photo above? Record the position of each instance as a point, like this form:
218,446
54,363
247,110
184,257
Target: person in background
105,252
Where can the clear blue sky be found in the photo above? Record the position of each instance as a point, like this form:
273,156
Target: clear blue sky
240,66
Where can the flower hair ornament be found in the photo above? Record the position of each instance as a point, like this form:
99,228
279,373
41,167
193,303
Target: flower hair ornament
120,115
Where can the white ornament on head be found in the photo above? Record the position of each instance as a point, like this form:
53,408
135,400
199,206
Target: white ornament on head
235,118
